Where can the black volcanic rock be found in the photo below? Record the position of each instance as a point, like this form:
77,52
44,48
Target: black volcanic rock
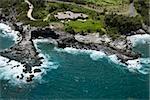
18,27
45,33
28,68
29,79
37,70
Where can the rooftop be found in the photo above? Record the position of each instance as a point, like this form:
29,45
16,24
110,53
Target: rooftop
70,15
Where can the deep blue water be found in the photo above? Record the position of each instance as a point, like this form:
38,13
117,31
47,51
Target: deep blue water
78,77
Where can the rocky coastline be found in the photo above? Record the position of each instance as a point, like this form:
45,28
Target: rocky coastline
25,52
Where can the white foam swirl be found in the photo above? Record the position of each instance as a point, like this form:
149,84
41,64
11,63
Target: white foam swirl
139,38
95,55
133,65
10,69
8,32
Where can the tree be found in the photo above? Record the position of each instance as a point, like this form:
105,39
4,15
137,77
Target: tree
122,23
69,29
142,7
38,3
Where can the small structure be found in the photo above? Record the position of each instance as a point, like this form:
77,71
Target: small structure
70,15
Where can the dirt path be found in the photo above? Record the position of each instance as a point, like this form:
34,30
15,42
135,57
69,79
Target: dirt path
29,13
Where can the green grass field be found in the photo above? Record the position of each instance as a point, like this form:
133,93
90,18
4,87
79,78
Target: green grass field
106,2
85,26
94,23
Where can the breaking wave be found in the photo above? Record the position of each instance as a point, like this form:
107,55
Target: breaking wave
139,38
141,65
10,69
95,55
6,31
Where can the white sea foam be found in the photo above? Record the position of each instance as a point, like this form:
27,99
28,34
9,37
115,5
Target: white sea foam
9,72
94,55
139,38
142,65
10,69
40,41
115,59
8,32
133,65
46,63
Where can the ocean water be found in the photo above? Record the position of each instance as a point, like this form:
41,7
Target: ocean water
5,42
7,36
78,74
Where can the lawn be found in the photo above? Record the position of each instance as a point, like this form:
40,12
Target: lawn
85,26
106,2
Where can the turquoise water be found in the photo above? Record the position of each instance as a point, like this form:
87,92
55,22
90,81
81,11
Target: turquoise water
5,42
144,49
77,76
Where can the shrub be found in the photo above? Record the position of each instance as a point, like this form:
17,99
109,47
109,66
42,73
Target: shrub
122,23
69,29
142,7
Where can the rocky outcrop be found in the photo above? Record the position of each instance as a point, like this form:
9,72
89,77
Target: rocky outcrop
37,70
24,51
123,52
44,33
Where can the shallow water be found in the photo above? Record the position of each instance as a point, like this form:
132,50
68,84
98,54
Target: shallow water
78,75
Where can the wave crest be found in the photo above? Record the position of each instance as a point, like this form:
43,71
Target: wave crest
133,65
6,31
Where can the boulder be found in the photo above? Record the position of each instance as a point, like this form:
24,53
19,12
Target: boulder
37,70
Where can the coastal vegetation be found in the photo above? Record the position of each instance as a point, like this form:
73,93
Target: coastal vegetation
80,32
88,26
97,2
142,7
108,21
106,2
123,24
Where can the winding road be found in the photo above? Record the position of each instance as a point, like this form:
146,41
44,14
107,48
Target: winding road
29,13
132,9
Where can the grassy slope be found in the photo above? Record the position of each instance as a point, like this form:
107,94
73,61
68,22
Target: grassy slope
106,2
95,22
87,26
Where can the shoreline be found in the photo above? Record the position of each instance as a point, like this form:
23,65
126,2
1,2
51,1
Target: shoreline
26,53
